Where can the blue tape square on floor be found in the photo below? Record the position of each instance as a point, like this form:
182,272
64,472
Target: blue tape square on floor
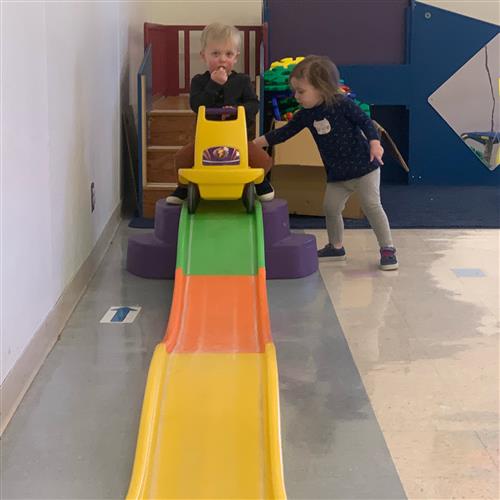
465,272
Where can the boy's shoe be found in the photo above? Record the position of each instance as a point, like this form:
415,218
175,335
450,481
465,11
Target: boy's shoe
264,190
178,196
388,261
329,252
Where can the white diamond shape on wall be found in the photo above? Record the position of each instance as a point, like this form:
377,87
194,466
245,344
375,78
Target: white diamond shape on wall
469,101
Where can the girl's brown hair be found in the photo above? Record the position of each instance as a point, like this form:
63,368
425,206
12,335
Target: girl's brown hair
322,74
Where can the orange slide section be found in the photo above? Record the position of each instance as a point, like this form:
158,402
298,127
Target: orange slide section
201,324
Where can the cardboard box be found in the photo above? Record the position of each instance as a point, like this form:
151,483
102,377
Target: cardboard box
303,187
299,177
299,150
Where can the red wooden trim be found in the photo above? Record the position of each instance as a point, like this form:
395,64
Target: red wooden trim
166,55
246,45
265,38
258,42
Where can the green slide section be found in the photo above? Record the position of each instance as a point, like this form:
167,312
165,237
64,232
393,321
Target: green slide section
221,239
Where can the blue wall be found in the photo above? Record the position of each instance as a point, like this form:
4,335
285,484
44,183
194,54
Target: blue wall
437,43
442,42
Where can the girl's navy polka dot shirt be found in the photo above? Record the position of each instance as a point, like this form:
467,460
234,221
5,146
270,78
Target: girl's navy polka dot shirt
341,131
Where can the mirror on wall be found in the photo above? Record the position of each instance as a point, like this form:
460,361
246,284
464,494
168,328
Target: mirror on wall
470,103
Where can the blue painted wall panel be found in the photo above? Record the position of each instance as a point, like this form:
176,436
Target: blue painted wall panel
439,43
387,85
442,43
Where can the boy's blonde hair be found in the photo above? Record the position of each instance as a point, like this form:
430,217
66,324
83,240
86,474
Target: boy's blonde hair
220,32
322,74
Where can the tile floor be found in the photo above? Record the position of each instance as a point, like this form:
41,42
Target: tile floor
425,341
389,381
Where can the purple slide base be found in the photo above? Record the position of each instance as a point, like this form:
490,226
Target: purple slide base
153,255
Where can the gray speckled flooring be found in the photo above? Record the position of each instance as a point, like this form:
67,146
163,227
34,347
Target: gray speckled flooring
74,434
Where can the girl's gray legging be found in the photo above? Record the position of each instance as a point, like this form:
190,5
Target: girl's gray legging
368,188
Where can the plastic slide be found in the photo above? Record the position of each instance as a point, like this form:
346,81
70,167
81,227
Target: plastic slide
210,419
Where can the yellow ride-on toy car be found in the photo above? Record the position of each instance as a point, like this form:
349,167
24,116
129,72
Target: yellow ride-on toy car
221,170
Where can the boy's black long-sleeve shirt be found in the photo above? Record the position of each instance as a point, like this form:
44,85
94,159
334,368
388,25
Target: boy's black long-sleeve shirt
337,130
237,91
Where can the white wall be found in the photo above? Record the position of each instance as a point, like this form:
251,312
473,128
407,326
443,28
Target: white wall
65,66
244,12
27,287
132,18
484,10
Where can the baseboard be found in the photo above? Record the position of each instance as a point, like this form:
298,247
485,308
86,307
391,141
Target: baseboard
21,376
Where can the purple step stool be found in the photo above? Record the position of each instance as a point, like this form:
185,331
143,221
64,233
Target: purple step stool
153,255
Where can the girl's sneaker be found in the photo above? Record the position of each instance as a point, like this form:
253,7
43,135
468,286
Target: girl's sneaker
329,252
388,261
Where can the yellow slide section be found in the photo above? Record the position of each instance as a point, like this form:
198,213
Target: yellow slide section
209,427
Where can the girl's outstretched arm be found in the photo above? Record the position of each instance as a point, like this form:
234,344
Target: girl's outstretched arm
294,126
